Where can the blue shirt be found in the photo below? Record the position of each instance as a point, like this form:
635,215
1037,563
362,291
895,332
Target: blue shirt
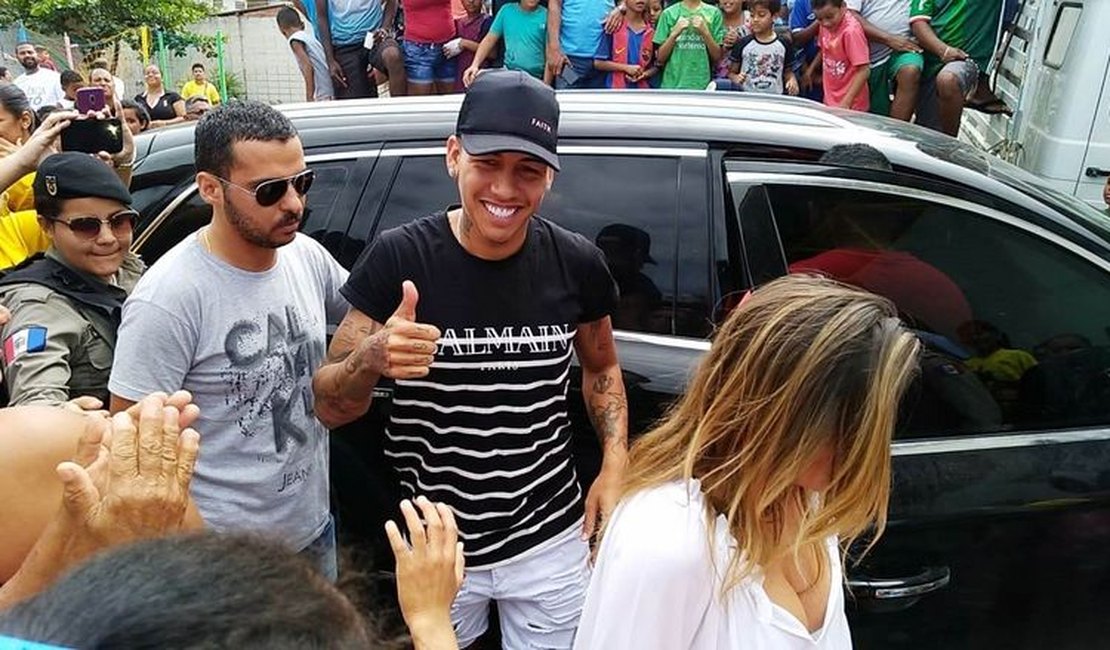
801,16
525,37
350,20
582,26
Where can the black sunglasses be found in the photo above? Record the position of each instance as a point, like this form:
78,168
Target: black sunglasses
270,192
121,223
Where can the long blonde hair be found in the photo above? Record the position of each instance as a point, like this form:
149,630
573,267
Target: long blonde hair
802,363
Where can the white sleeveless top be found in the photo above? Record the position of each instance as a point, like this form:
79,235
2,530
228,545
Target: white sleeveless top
656,587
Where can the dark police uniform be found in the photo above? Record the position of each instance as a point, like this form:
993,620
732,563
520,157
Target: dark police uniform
62,334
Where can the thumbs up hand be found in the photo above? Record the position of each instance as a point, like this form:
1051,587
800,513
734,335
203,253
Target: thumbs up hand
403,348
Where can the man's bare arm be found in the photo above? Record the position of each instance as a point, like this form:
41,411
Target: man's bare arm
603,385
363,351
343,386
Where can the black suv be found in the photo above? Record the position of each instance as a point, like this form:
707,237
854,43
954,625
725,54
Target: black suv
1000,514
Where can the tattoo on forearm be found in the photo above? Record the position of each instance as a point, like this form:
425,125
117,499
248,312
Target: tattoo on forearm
608,409
347,338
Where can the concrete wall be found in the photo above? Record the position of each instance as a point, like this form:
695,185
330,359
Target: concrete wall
254,51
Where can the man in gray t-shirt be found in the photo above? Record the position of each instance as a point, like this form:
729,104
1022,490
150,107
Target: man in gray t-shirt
237,314
896,60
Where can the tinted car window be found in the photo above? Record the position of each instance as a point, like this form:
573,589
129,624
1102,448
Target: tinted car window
319,220
1016,327
632,221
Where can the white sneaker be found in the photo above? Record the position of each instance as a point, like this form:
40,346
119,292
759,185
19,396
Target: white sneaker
712,86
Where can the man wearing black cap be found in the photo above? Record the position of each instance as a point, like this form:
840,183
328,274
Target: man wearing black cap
66,304
480,358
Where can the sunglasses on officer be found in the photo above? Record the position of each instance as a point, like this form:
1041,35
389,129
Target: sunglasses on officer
121,223
270,192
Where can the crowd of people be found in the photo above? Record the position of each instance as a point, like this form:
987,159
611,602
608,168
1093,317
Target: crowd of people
924,61
47,90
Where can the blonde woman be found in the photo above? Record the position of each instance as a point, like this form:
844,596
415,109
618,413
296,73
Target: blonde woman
736,506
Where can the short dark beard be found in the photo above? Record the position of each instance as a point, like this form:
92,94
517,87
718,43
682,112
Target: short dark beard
32,68
248,231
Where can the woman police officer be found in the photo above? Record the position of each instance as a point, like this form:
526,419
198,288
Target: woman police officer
65,305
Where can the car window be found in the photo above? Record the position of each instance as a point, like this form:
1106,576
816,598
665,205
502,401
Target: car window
321,219
631,217
1016,327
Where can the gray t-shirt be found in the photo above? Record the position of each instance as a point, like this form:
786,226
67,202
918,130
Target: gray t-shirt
245,344
764,64
321,77
891,16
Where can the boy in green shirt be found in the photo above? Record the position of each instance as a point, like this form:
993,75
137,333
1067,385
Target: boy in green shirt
688,41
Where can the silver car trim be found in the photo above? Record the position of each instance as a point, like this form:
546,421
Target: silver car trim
572,149
177,200
956,445
932,197
662,340
342,155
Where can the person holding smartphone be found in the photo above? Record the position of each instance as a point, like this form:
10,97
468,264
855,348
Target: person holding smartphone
65,305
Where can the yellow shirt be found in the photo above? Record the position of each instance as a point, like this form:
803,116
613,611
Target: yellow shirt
20,234
1003,364
21,196
192,88
20,237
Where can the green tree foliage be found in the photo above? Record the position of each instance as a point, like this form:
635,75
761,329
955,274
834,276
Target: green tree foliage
98,21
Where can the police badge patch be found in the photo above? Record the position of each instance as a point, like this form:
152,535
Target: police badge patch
52,185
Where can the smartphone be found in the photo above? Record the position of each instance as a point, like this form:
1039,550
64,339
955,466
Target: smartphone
569,75
90,99
92,136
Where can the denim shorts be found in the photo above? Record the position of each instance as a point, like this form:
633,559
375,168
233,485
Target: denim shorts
425,63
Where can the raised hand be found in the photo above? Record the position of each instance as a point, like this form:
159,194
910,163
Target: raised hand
133,482
403,348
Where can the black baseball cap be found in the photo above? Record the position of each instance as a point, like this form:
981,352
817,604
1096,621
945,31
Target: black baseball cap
510,110
75,175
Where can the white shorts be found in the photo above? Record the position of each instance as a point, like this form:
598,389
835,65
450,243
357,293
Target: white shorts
539,597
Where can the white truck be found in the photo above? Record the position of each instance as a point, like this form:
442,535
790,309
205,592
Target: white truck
1052,69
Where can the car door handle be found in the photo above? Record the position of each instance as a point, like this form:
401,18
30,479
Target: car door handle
929,579
1096,172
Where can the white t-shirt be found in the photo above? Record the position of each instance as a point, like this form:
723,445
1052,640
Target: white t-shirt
891,16
245,344
656,587
43,88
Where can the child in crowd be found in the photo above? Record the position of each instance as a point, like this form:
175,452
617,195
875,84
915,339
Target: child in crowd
736,28
803,36
309,54
628,54
655,9
469,32
134,116
896,60
688,43
763,61
845,57
71,81
524,28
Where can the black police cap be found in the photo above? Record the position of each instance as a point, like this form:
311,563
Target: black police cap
75,175
510,110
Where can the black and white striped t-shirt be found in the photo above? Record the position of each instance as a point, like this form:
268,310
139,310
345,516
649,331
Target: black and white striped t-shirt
488,431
